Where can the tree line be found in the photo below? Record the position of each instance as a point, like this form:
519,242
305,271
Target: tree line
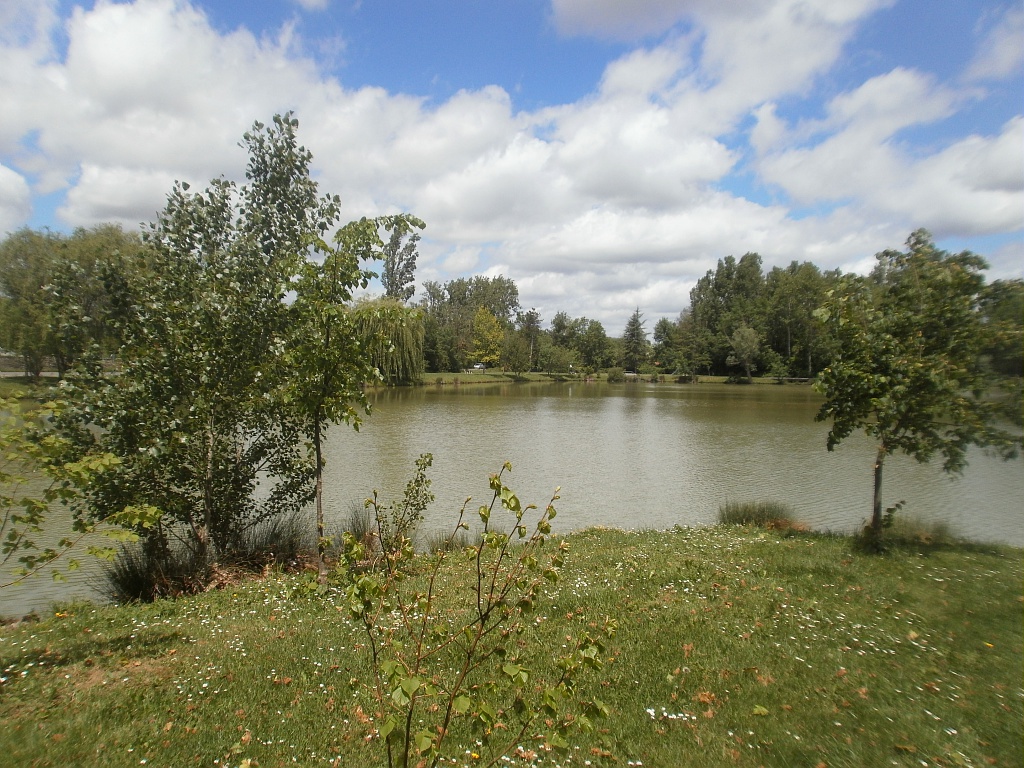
63,294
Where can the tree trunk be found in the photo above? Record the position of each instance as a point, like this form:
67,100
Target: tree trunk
321,541
203,530
875,529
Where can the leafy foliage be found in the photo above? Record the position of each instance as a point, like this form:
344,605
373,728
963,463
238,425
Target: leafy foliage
196,415
30,458
488,337
400,263
909,370
447,665
635,348
391,337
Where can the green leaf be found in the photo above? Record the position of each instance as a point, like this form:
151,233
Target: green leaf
461,704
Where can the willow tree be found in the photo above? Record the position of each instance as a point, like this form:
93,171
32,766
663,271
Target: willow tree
910,370
392,337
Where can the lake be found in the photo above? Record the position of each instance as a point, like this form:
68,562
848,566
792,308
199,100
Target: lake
633,455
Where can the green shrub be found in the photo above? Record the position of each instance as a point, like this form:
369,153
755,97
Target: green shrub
615,375
767,514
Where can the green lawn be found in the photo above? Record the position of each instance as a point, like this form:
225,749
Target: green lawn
736,646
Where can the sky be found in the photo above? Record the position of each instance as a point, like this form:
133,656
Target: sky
603,154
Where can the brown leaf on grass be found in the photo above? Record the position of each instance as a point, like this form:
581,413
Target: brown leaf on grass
705,697
842,672
58,737
168,725
909,748
687,650
246,737
862,692
765,679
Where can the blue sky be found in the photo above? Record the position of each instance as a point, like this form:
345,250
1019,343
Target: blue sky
602,154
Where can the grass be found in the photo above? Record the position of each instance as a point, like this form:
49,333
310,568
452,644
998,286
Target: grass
736,646
765,514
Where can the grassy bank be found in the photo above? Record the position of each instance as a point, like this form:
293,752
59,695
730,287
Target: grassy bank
736,647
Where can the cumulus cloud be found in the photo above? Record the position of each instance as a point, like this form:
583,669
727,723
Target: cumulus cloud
615,200
973,186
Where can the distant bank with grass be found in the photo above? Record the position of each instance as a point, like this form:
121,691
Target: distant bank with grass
737,645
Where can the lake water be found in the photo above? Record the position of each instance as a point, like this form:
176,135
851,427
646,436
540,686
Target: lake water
635,455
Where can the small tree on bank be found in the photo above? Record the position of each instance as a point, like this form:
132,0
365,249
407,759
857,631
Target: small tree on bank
910,371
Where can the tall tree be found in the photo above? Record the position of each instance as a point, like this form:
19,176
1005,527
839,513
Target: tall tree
745,348
635,348
194,414
333,350
488,337
400,263
451,309
592,345
391,336
529,329
909,370
27,262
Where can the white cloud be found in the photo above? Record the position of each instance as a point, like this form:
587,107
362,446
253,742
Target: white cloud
15,200
973,186
313,5
1001,49
592,207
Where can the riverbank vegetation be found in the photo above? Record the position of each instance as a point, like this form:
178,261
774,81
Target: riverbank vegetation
736,646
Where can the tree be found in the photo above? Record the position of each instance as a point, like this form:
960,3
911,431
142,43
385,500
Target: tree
592,345
1002,305
516,352
197,415
400,264
391,336
909,369
325,357
488,337
450,311
745,347
634,342
89,291
27,260
529,328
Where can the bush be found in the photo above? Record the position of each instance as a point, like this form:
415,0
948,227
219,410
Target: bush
140,574
281,540
146,571
615,375
766,514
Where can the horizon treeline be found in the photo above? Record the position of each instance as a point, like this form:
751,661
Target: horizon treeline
59,296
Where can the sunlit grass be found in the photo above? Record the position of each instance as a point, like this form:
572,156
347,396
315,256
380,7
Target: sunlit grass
736,647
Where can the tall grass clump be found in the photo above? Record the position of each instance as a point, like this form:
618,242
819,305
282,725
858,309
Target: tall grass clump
765,514
140,574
